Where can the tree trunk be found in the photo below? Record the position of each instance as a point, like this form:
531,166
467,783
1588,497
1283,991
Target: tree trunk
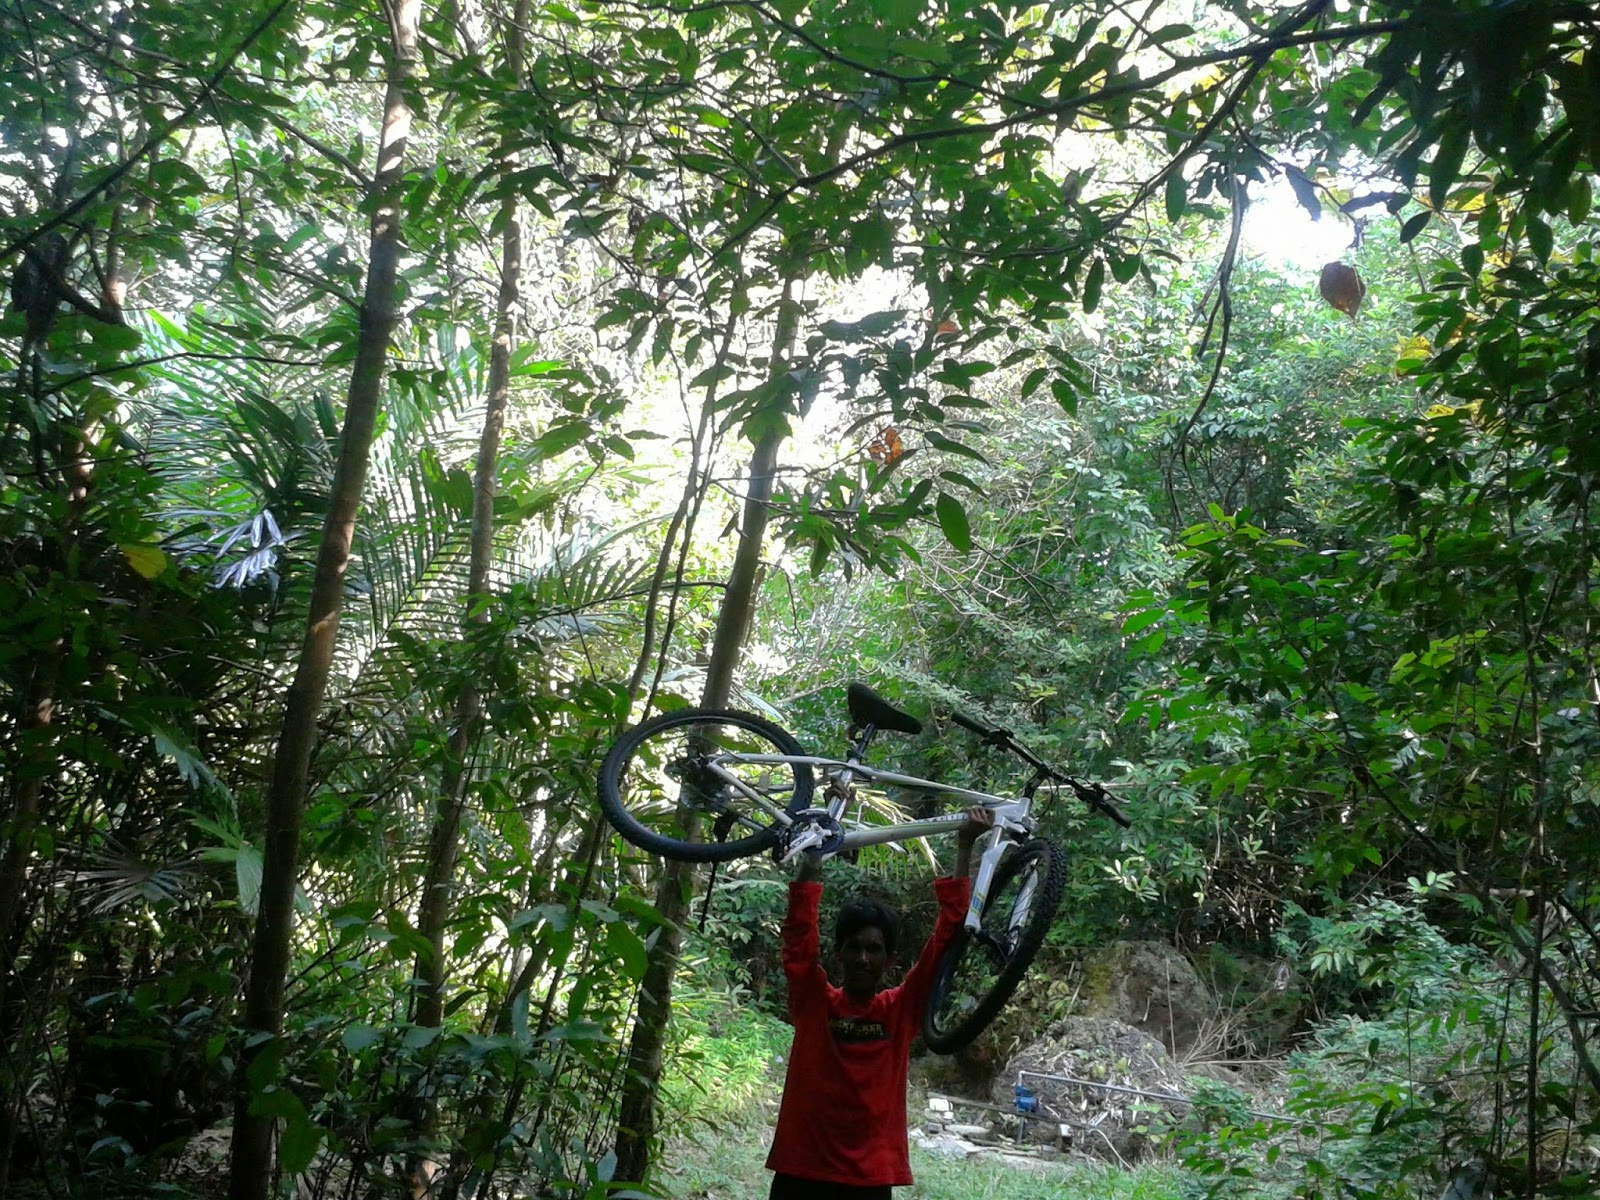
435,907
21,827
36,747
433,916
636,1114
251,1168
22,819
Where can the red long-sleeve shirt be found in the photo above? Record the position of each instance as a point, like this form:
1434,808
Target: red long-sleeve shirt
843,1118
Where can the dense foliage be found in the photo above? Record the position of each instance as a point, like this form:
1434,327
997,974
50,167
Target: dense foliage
400,400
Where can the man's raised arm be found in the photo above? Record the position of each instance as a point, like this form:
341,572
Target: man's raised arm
953,892
802,942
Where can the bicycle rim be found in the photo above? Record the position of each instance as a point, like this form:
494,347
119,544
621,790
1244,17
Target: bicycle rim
678,784
980,971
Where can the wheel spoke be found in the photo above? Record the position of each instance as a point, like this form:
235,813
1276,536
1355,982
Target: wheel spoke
683,783
979,973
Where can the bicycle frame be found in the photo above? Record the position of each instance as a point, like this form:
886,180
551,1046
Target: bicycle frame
1012,822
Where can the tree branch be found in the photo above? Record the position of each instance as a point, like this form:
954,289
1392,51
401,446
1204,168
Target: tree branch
1257,51
135,364
151,142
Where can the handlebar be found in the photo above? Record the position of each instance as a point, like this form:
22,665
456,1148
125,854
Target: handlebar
1092,794
1096,797
969,724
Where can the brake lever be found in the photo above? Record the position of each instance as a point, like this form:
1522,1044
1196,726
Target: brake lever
1097,798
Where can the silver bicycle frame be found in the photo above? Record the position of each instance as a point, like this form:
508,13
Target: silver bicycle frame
1011,820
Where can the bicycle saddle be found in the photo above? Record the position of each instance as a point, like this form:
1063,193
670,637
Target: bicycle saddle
869,708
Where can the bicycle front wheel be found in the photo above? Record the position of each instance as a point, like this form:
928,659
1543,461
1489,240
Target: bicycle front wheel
979,971
701,785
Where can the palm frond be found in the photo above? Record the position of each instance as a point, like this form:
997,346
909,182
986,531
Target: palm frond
119,879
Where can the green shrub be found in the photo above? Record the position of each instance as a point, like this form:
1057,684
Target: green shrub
724,1057
1386,1104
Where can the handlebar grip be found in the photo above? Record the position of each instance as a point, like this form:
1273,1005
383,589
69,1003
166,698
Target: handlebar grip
969,724
1103,803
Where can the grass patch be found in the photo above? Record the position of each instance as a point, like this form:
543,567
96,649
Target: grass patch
727,1165
724,1077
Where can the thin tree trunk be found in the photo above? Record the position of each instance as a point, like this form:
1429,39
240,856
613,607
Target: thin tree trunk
22,820
433,916
636,1115
251,1168
686,514
37,752
20,829
434,911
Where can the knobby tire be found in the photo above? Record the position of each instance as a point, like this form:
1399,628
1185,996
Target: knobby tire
946,1032
622,803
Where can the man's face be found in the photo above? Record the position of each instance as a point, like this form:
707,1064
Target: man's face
863,958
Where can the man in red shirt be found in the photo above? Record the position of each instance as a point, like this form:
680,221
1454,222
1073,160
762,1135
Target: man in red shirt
842,1127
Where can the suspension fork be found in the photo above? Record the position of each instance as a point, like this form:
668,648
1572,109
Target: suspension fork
995,841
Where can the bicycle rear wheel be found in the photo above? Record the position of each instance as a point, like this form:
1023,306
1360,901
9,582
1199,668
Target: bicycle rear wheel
979,971
682,784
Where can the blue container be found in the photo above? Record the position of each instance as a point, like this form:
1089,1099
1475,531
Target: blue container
1026,1101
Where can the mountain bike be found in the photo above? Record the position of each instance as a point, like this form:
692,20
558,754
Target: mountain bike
712,785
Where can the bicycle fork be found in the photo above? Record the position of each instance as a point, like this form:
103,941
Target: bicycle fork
998,840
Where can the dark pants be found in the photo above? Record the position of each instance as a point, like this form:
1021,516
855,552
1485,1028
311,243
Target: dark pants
792,1187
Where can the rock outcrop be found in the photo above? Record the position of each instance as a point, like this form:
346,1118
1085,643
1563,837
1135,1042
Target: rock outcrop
1150,986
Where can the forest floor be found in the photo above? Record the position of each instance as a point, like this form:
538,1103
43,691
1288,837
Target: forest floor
723,1092
727,1164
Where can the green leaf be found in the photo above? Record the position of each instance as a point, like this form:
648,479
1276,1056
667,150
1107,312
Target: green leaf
275,1100
560,438
1304,191
1066,395
873,325
770,420
582,1030
1151,642
819,555
1414,225
1446,168
1541,239
953,520
627,946
950,446
115,337
1170,33
960,480
186,757
1124,267
149,561
519,1018
1142,620
898,14
1580,197
247,874
523,362
1176,195
357,1038
1092,285
418,1037
298,1145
